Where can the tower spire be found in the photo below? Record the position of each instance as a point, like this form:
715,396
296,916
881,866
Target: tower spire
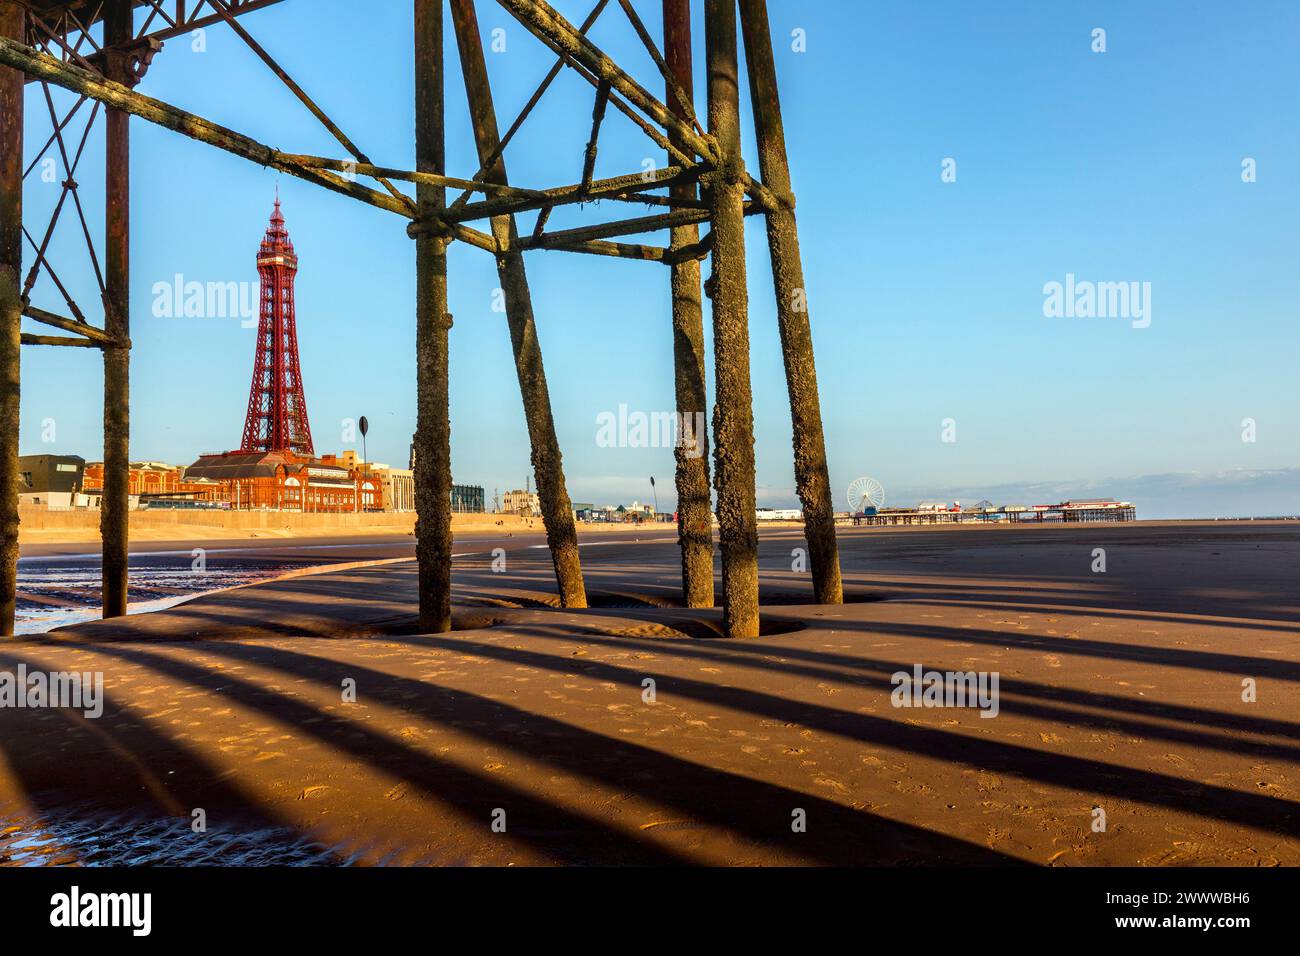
277,407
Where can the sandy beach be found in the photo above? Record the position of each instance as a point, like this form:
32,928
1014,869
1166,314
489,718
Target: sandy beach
1120,691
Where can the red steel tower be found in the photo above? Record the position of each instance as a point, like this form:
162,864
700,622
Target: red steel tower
277,408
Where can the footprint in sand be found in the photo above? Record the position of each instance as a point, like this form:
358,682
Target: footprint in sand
833,784
985,780
996,835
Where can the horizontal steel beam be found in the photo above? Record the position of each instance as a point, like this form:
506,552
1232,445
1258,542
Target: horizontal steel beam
618,250
67,325
30,339
622,227
428,179
576,193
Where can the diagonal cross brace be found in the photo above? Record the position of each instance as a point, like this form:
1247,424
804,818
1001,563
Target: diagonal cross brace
542,20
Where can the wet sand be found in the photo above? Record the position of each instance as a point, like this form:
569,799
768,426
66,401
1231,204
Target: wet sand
1119,690
59,582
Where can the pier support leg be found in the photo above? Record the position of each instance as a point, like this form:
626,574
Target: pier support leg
433,538
557,510
812,478
114,508
733,416
694,507
11,309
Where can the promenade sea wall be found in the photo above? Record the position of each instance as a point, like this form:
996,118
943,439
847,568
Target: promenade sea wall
40,524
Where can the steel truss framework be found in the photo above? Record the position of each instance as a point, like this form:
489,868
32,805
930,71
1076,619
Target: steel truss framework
704,182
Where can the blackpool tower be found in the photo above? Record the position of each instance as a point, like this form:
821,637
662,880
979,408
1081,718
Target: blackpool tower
277,408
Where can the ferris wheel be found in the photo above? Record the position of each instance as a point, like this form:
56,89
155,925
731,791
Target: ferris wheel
865,493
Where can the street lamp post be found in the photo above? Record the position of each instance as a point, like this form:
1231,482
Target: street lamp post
364,425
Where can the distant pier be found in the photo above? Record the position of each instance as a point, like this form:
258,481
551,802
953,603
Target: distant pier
1066,511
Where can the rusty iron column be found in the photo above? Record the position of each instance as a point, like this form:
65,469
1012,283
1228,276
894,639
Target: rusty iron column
557,510
694,504
115,505
812,478
433,537
12,19
733,415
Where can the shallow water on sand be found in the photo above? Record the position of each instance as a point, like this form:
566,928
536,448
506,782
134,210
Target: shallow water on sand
53,592
84,837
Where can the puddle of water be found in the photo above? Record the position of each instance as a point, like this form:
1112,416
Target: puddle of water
53,592
87,838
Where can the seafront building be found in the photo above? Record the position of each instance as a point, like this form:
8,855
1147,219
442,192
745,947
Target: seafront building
281,481
55,481
521,502
152,479
331,483
616,514
465,499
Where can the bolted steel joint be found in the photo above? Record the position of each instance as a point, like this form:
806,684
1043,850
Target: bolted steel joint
430,226
726,173
129,64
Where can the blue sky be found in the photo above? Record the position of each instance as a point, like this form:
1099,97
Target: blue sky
926,296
